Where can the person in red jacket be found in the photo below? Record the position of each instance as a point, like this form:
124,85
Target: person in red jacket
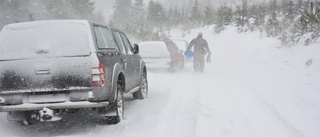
201,48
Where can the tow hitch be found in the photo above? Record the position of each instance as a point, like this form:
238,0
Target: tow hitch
47,114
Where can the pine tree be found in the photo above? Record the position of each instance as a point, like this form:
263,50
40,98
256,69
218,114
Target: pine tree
300,6
139,13
273,25
312,18
195,12
243,12
224,17
161,14
185,14
262,13
83,9
14,11
177,16
121,13
151,12
208,15
309,22
6,13
289,10
156,13
273,6
171,16
253,17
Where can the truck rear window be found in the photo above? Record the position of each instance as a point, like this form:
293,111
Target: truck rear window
47,39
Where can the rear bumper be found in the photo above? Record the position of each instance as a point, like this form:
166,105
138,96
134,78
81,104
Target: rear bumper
64,105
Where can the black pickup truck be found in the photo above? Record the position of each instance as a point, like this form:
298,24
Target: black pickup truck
50,68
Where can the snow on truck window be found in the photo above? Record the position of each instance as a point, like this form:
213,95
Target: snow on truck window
126,44
119,41
44,40
103,37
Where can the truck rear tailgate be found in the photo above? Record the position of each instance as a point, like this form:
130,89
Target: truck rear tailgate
45,74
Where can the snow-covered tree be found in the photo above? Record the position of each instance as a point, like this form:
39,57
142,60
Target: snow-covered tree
139,14
241,13
309,23
262,13
171,16
177,16
289,10
195,12
156,13
83,9
208,14
121,13
224,17
273,25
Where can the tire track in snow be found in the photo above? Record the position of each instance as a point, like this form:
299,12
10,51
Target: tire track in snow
218,113
275,112
175,100
247,85
209,122
265,117
187,105
197,109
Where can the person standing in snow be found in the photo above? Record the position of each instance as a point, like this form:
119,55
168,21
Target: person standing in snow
201,48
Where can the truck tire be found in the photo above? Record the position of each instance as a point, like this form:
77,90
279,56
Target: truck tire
118,106
143,90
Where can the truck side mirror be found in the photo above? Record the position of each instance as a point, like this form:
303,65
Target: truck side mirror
136,49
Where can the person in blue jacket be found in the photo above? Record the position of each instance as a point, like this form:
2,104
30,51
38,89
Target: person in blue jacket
201,48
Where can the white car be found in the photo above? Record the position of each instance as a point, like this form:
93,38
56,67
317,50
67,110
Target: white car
161,55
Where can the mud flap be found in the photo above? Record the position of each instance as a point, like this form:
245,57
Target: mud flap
107,112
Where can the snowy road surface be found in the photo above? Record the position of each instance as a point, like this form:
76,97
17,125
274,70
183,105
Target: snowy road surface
251,89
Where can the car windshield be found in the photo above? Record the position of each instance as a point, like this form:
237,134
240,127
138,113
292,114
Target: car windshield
49,39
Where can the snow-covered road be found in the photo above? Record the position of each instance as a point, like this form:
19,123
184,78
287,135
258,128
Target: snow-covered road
251,89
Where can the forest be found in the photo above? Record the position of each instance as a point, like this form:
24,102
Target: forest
288,20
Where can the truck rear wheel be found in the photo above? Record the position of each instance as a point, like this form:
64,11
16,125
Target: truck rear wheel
118,107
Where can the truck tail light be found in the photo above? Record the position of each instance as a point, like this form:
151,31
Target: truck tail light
98,76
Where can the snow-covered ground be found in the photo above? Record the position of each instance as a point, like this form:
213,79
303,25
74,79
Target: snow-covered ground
251,89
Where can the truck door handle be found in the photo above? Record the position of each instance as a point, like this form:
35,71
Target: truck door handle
42,71
125,64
